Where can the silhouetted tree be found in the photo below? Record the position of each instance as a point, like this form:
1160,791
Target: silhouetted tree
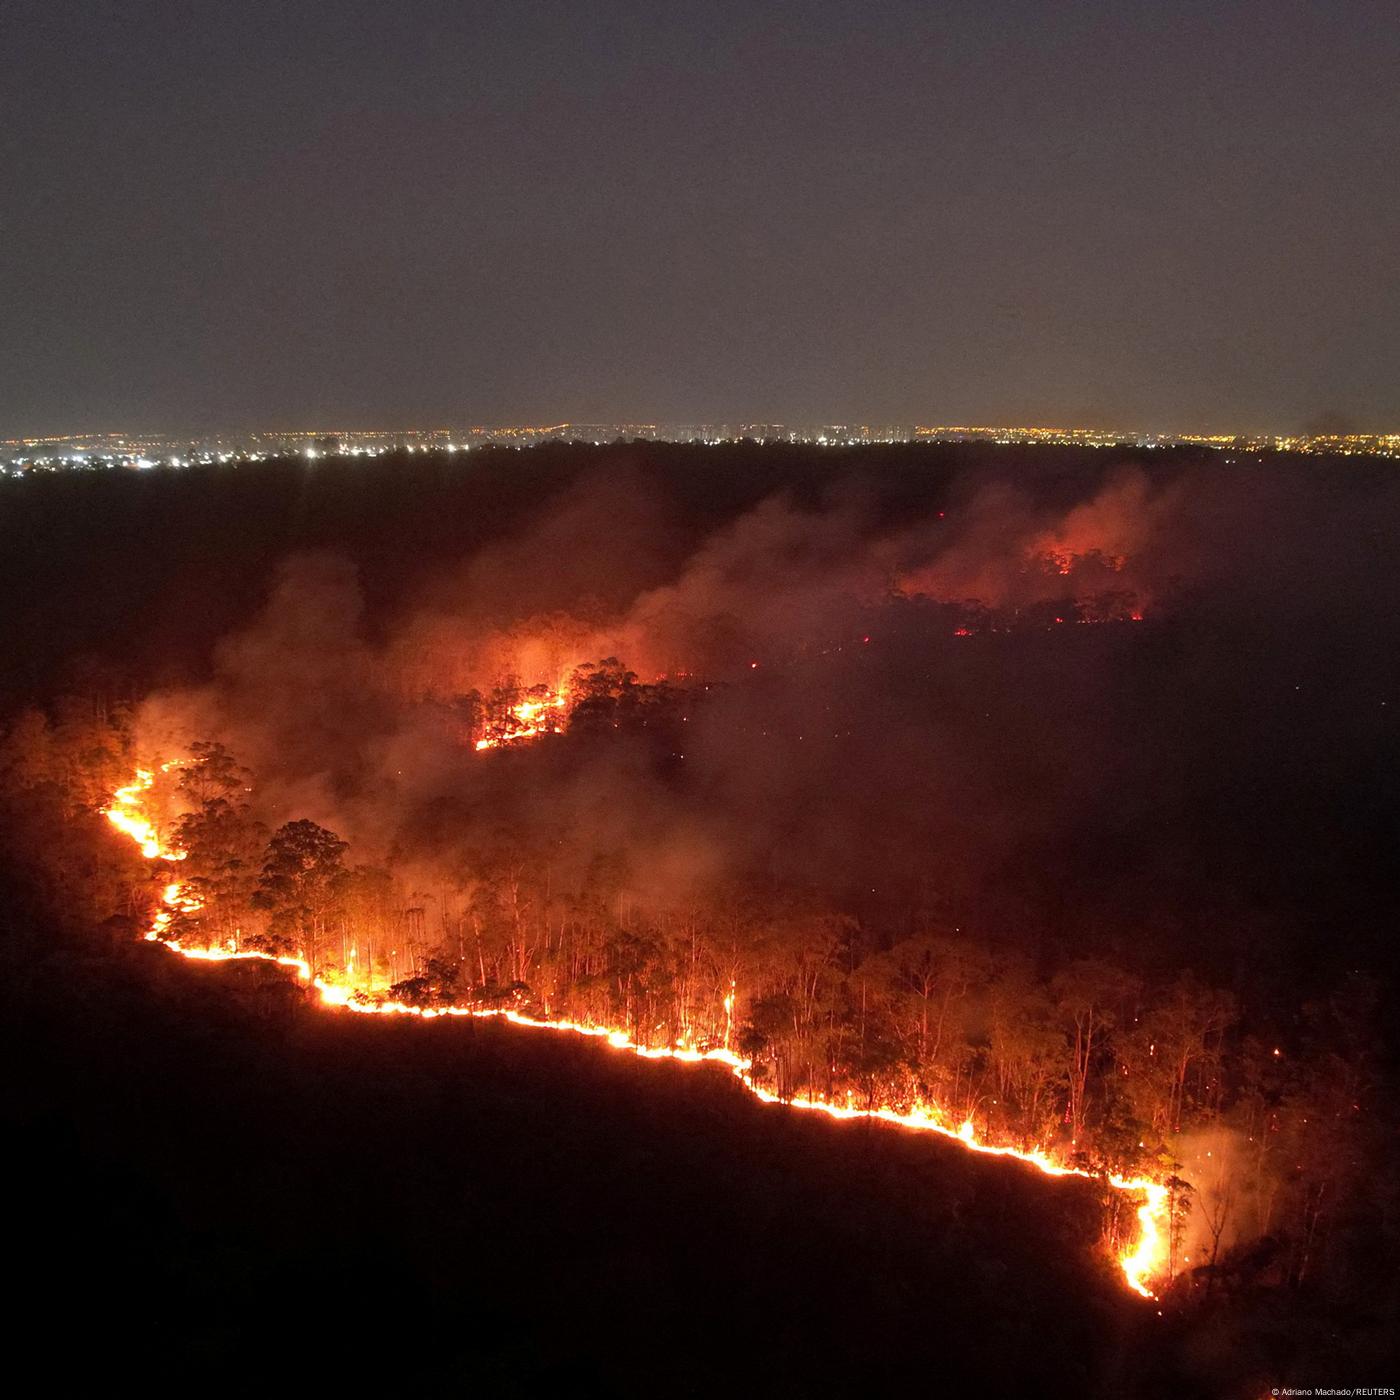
302,884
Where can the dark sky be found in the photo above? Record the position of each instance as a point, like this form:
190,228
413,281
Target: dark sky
1150,213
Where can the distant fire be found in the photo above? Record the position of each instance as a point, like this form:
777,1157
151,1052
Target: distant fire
1142,1264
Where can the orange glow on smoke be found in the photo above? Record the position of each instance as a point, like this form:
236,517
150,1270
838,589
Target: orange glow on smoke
1142,1264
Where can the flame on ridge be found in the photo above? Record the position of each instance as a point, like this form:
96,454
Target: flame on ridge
1140,1265
529,719
127,814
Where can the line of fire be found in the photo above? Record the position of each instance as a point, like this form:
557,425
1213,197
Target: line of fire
706,1039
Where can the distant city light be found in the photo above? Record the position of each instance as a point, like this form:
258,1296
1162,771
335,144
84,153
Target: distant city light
93,451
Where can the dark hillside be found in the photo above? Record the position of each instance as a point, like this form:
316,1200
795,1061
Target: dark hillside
220,1184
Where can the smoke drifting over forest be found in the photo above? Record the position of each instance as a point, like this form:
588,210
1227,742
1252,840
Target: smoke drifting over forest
903,710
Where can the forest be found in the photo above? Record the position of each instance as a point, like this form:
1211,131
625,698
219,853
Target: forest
1052,789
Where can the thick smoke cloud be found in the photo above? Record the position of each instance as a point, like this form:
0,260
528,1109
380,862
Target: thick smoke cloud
932,710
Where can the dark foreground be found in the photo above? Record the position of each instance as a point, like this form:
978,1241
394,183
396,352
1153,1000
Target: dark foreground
222,1187
219,1186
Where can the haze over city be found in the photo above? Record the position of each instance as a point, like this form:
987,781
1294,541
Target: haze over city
1122,216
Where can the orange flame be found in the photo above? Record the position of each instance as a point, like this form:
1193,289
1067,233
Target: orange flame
127,815
530,719
1142,1263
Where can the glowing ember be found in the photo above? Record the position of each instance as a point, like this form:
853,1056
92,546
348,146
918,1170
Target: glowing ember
1141,1264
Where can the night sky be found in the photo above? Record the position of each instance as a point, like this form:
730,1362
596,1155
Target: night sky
244,214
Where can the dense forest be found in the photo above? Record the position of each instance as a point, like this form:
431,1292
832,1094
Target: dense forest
1052,789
